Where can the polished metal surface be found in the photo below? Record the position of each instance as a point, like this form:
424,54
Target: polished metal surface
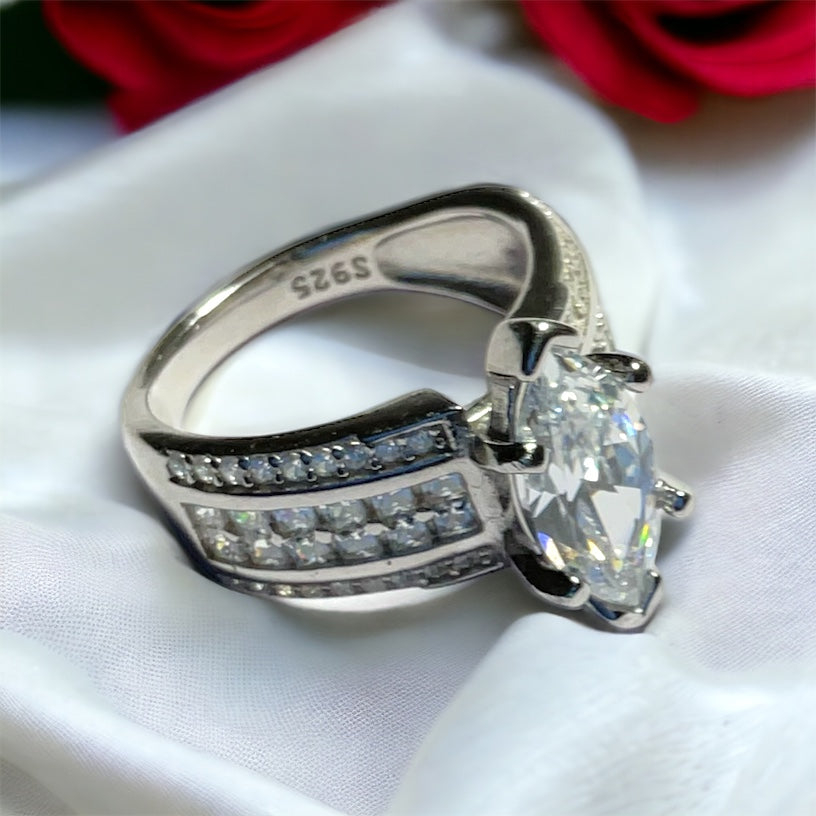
443,472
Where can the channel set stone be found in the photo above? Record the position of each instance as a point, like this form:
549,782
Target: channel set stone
593,510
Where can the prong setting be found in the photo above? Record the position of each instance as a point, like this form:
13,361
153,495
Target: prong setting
509,457
518,346
634,371
673,499
631,620
553,586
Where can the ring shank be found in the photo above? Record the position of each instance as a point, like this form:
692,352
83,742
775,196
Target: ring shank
468,255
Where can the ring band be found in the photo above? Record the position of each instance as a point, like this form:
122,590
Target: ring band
551,472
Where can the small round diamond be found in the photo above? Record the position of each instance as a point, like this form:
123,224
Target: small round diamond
231,471
294,521
246,520
204,470
373,585
356,456
294,468
398,580
206,517
358,546
390,452
324,463
311,591
309,552
407,537
267,553
260,470
343,517
227,547
390,507
179,468
283,590
454,522
440,493
422,442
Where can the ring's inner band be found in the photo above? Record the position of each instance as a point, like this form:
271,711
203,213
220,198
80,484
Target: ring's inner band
482,255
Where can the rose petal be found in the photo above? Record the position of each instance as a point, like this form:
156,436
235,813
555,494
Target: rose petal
610,59
161,55
775,52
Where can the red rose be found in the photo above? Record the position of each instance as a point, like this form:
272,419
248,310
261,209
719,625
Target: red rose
657,56
160,55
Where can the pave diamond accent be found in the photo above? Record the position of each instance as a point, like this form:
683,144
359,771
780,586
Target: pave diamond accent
440,572
310,552
407,537
593,510
390,507
265,552
344,517
358,546
294,521
428,515
179,468
225,546
293,468
231,471
349,460
324,463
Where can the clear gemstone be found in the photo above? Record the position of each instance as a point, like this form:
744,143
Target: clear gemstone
246,520
311,591
593,510
203,470
398,580
343,517
310,552
455,522
260,470
373,585
179,468
357,546
407,537
283,590
225,546
422,442
231,471
293,467
206,517
390,452
440,493
294,521
324,463
390,507
356,456
268,553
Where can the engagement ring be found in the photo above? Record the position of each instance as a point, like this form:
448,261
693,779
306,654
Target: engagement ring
551,472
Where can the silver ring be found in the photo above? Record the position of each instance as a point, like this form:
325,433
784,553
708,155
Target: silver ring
551,472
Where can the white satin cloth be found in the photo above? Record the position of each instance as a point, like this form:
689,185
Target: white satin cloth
131,685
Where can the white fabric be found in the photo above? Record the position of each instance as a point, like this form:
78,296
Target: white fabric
130,685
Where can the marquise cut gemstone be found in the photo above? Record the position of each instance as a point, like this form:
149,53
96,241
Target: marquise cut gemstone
593,511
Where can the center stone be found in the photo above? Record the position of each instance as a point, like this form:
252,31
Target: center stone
593,511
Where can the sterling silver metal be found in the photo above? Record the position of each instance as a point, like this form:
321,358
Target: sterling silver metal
414,493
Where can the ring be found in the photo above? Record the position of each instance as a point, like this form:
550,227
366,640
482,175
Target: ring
550,473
